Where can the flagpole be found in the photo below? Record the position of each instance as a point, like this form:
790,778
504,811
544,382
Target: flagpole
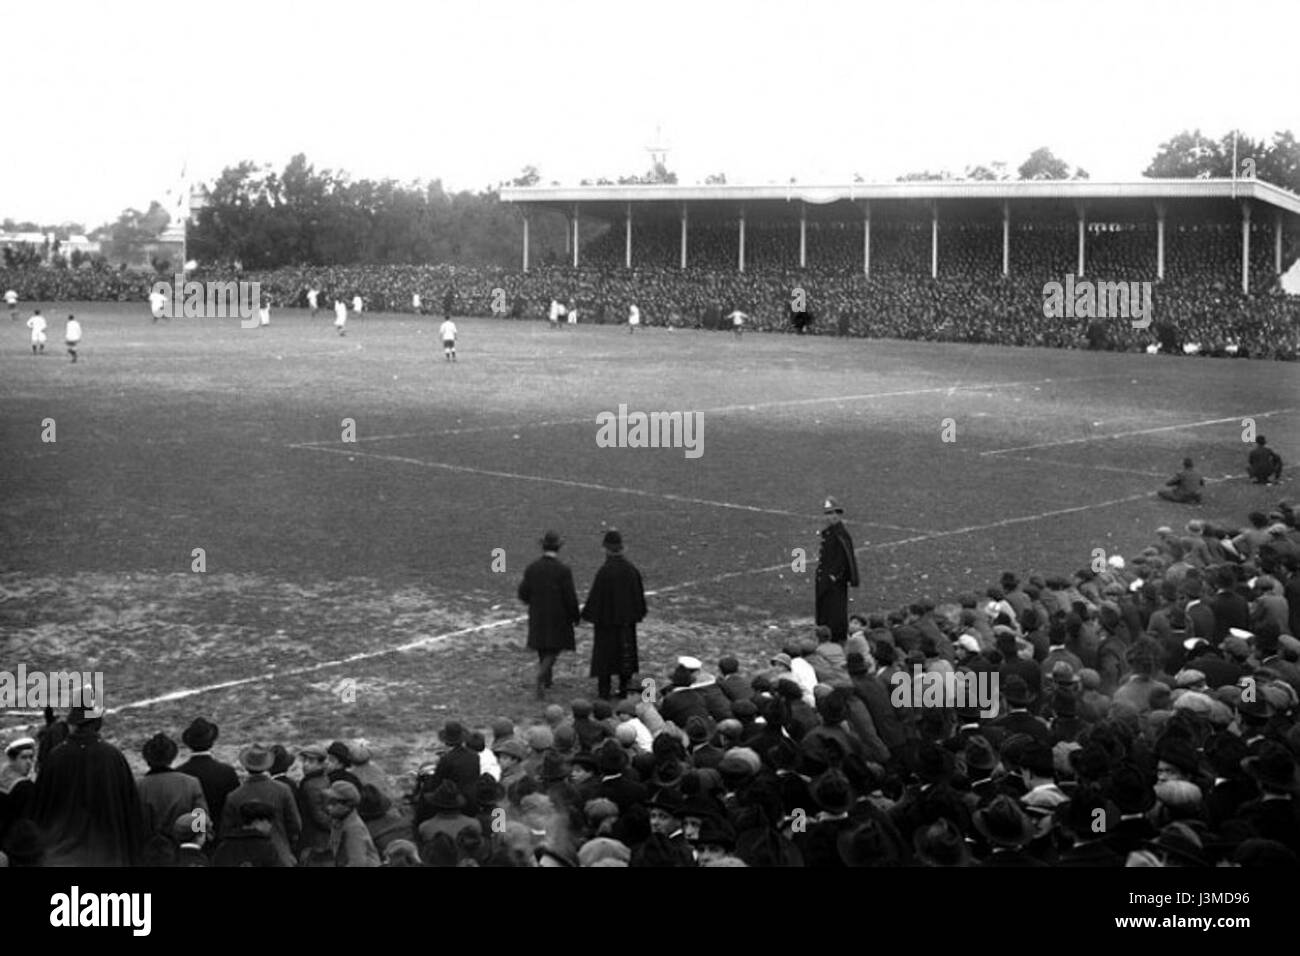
1234,164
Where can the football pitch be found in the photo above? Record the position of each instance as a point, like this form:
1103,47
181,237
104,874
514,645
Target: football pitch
366,588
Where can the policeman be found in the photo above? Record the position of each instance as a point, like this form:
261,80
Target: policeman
837,569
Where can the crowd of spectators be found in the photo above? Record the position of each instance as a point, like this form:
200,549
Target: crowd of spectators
1147,715
1198,309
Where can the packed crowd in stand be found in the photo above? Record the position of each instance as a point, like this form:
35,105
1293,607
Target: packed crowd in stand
1146,715
1198,308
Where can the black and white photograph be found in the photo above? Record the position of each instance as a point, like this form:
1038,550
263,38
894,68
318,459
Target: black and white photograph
726,434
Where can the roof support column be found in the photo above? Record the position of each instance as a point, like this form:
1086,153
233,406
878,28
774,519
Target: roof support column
1277,242
628,253
575,235
803,234
934,240
1245,247
1006,238
741,256
1160,241
1083,222
866,238
568,232
525,242
683,236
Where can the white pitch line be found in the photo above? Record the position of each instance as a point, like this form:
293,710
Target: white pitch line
589,485
1089,466
1140,431
720,409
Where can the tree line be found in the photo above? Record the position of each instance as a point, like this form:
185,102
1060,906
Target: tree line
263,218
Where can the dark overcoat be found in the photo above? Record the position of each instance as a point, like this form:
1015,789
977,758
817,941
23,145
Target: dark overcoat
547,589
615,605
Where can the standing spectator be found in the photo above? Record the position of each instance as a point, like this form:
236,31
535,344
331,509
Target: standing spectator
315,836
837,571
1184,487
166,793
459,764
86,803
16,784
547,589
615,605
259,787
217,779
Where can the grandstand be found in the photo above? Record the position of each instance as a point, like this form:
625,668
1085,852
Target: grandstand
1096,212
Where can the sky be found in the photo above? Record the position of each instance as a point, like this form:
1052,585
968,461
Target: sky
107,102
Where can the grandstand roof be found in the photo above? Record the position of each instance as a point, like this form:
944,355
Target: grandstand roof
609,202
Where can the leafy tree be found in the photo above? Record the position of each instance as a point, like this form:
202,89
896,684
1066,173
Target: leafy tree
1043,164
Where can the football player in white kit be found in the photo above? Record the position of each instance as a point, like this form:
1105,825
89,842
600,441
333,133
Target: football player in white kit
357,304
447,332
72,336
312,295
633,318
157,304
37,324
341,316
11,303
557,313
264,313
738,321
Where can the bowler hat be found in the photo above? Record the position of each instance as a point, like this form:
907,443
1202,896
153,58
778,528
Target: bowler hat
613,541
1018,692
551,541
831,506
553,768
200,735
452,733
1003,823
1178,840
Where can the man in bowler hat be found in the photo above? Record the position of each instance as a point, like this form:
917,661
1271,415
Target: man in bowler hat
837,569
615,605
547,589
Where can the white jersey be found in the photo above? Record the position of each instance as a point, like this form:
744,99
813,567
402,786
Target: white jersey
415,302
356,303
156,302
264,315
573,315
72,334
737,317
557,311
633,316
340,312
37,324
447,331
11,298
311,297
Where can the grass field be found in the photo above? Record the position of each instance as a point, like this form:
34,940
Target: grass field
372,561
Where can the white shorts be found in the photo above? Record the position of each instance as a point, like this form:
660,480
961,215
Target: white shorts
38,338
